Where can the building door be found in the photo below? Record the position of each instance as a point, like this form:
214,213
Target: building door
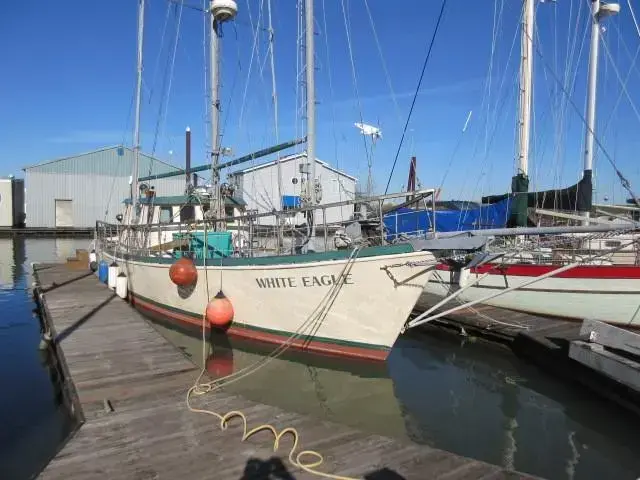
64,217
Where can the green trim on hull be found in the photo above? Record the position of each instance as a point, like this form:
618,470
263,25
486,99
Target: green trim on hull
282,333
284,259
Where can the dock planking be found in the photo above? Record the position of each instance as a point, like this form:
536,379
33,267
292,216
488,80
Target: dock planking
130,384
499,324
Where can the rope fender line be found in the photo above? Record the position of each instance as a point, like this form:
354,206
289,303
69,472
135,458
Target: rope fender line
297,459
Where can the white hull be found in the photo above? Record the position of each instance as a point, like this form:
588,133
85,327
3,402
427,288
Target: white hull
605,293
272,301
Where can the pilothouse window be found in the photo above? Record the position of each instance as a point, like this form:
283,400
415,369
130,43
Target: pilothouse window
165,215
187,213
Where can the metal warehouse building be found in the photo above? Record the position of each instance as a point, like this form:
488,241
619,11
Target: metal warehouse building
257,186
78,190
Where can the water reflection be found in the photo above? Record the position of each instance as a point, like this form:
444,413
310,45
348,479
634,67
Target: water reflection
470,398
34,412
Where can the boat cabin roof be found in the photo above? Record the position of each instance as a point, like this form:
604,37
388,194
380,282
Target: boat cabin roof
184,200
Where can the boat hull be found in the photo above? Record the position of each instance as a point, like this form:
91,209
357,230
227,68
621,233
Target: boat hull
273,301
609,293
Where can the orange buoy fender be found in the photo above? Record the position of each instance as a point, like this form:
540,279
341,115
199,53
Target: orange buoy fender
183,272
220,311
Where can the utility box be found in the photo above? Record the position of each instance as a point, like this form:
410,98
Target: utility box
11,202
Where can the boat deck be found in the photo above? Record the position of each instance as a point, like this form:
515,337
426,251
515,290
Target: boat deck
129,385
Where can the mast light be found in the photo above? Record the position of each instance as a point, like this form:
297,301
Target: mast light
608,10
224,10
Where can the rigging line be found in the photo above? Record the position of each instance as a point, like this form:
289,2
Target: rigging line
633,16
500,102
619,97
617,72
253,54
355,87
623,180
572,82
626,47
495,32
384,63
234,82
164,101
163,117
333,108
415,95
157,62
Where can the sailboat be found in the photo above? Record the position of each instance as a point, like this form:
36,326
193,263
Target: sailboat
350,300
541,281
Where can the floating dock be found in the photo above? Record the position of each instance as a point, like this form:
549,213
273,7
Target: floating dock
598,356
45,232
129,385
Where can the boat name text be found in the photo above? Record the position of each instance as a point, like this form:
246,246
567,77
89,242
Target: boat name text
313,281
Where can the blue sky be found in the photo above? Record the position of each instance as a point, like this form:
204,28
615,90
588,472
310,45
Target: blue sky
69,72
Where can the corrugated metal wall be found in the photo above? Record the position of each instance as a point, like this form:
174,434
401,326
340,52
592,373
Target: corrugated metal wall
6,203
96,182
259,188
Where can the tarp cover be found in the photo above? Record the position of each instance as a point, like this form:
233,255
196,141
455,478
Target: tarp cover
290,201
410,222
577,197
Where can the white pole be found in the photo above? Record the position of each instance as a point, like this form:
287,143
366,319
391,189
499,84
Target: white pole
526,82
274,99
592,85
136,129
214,86
311,110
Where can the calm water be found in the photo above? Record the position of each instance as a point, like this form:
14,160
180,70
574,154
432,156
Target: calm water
33,421
467,397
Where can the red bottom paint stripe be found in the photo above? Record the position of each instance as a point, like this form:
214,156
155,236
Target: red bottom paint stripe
597,272
237,330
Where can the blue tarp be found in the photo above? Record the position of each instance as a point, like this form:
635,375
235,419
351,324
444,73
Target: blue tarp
290,201
414,222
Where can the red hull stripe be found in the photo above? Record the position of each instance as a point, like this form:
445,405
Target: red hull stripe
596,272
237,330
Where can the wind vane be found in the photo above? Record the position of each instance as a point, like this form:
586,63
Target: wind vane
370,130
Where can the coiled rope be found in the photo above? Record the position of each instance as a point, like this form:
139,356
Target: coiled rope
313,320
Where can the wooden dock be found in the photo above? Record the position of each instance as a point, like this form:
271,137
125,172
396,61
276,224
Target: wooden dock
552,344
130,384
46,232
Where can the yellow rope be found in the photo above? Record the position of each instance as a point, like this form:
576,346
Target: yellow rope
198,389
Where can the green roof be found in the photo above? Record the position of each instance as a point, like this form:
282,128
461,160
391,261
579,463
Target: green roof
184,200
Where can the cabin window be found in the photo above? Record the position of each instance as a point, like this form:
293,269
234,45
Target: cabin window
228,211
187,213
166,215
612,243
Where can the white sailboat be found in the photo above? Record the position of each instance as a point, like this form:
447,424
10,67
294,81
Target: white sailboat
351,301
538,281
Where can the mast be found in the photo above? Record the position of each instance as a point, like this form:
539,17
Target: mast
598,12
274,99
136,128
311,112
220,11
520,182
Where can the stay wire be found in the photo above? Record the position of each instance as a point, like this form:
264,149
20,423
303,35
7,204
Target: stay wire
415,95
623,180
